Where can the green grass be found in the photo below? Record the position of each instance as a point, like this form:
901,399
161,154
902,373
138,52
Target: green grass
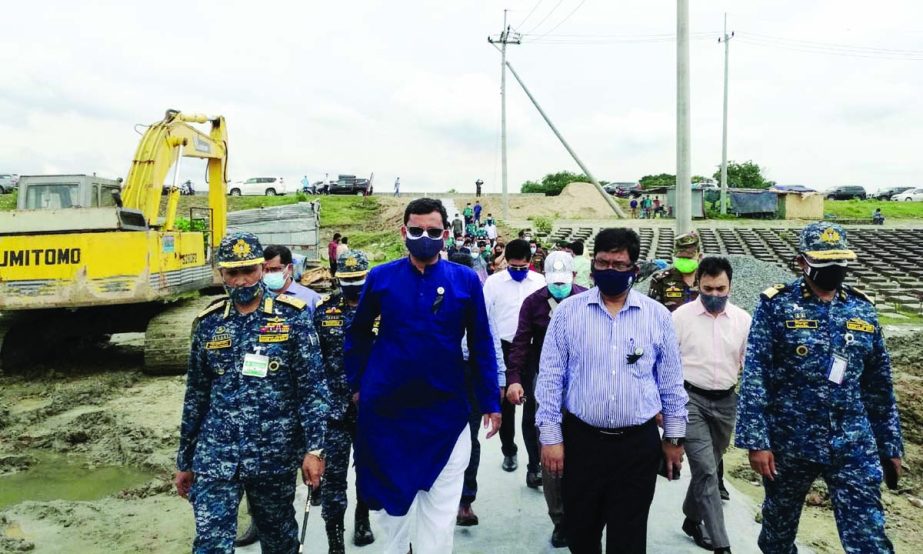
380,246
863,209
8,201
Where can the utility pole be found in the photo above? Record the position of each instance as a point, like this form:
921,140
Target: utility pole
724,132
506,37
683,169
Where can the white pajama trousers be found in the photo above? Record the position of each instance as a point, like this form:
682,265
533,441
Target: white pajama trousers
433,512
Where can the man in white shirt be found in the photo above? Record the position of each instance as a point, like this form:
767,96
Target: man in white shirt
504,293
712,336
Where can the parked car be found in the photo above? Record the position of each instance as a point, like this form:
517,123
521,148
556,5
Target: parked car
7,183
846,192
348,184
623,190
258,186
912,195
888,194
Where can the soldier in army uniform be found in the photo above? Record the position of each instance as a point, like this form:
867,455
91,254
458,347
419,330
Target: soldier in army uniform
676,285
255,409
332,317
817,399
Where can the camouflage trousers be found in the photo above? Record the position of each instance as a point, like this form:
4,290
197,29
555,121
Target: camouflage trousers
337,446
215,503
854,484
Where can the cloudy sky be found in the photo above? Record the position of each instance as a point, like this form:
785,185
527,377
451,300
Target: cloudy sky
823,93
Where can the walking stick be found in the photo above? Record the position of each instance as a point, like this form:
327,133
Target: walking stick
304,522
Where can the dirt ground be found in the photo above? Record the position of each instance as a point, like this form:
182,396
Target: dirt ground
576,201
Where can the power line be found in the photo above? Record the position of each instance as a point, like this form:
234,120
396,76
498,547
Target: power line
564,20
829,49
612,41
835,45
544,19
537,4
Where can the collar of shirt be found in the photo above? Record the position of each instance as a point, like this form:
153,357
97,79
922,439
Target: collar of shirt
700,308
595,297
531,276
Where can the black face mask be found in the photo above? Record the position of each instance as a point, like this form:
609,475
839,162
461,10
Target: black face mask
828,278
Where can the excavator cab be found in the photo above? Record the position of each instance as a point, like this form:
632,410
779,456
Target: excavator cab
53,192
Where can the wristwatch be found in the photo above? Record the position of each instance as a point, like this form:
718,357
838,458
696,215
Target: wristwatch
319,453
675,441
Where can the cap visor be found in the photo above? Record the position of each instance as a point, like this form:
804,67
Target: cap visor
828,255
559,277
348,274
241,263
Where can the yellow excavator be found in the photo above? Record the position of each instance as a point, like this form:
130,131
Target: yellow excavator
82,257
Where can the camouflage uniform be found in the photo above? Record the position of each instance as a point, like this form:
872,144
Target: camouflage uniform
815,427
668,286
250,433
331,318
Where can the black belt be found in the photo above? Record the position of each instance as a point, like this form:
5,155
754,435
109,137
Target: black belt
710,394
608,433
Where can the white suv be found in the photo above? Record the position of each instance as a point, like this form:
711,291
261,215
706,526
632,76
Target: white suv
258,186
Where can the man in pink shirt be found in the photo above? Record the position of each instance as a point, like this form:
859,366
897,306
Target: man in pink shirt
712,336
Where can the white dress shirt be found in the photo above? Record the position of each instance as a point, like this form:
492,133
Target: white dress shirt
504,297
712,347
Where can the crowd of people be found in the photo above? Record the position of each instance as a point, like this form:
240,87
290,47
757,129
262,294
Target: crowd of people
409,360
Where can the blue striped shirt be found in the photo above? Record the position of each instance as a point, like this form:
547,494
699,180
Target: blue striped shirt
584,367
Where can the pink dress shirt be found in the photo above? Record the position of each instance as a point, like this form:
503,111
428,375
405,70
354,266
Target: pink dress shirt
712,347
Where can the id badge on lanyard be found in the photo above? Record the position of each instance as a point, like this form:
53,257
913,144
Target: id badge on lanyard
255,365
837,368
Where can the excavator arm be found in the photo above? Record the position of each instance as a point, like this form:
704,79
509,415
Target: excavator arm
164,144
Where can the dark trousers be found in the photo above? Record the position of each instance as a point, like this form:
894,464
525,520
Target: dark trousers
508,412
470,484
333,268
608,482
529,431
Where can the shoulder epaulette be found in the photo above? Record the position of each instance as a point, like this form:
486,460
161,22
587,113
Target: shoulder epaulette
860,294
213,307
324,298
291,301
772,291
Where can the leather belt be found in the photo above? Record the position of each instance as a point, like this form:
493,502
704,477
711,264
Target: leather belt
608,432
710,394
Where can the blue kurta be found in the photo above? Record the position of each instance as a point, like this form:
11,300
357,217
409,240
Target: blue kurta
411,377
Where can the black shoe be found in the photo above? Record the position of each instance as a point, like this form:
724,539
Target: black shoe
363,535
533,479
558,538
723,550
335,544
466,517
510,463
725,495
694,530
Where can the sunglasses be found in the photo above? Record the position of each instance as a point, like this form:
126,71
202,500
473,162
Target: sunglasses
245,270
417,232
519,267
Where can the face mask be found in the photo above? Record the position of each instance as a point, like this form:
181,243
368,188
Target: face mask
714,304
518,275
560,290
532,249
243,295
612,282
423,248
275,280
828,277
685,265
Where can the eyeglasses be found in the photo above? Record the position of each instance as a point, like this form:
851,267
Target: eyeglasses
245,270
417,232
519,267
618,266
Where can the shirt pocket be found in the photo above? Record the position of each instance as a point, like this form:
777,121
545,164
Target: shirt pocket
643,367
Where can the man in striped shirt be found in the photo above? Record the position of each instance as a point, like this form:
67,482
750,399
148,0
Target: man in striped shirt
611,363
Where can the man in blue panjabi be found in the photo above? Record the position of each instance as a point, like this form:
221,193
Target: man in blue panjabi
412,441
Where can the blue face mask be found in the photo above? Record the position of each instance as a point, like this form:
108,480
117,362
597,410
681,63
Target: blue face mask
612,282
243,295
714,304
560,290
423,248
518,275
275,280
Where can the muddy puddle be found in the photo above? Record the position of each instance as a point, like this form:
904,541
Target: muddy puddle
51,476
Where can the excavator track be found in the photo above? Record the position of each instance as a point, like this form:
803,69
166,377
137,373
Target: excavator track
169,337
